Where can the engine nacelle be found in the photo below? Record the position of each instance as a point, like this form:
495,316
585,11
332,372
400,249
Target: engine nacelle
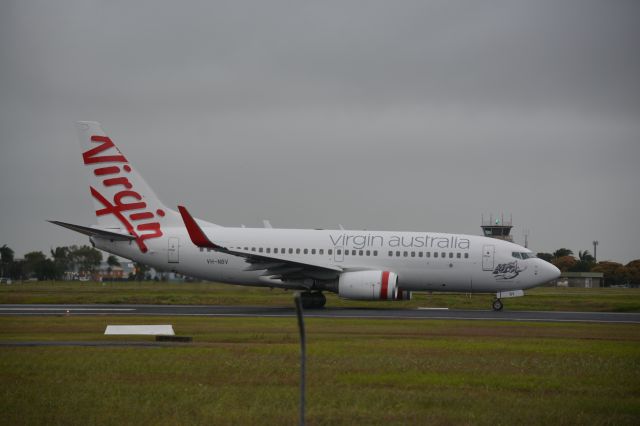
368,285
403,295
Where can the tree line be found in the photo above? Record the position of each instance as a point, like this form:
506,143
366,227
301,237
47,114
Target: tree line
83,260
614,273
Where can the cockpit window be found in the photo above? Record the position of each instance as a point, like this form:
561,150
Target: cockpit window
523,255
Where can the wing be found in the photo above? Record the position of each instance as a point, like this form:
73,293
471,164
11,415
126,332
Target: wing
274,266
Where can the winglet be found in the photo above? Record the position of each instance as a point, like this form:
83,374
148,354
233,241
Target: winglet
195,232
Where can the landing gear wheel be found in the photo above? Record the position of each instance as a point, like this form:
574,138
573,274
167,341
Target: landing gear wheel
313,300
497,305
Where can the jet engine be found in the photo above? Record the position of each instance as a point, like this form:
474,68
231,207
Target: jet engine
368,285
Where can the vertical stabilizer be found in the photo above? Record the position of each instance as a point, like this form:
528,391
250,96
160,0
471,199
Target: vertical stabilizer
122,199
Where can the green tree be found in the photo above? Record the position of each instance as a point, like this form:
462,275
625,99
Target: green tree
61,261
614,273
38,266
6,259
562,253
111,262
85,258
634,271
585,262
140,272
16,270
585,256
546,256
564,263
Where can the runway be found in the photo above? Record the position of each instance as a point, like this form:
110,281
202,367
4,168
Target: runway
363,313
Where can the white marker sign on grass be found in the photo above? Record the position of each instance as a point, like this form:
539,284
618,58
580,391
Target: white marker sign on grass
152,330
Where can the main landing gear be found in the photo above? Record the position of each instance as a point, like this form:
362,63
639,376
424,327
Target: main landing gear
313,300
497,305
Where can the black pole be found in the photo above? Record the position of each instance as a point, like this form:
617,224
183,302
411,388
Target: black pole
303,353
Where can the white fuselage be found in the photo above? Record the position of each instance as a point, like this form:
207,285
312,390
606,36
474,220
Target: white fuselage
423,261
369,265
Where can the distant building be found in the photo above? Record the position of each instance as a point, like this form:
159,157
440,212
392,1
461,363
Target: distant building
113,273
102,272
578,279
497,228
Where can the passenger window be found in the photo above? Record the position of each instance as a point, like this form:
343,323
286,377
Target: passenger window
435,254
297,251
313,251
290,251
253,249
443,254
390,253
368,252
338,251
419,254
458,255
321,251
306,251
397,254
353,252
405,254
466,255
360,252
260,249
330,252
450,255
375,252
268,250
275,250
413,254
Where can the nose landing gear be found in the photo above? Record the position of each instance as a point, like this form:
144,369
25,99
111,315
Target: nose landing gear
497,305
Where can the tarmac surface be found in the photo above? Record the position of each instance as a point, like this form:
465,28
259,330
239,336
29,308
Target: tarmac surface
365,313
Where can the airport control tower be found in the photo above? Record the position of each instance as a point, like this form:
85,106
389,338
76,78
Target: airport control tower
497,227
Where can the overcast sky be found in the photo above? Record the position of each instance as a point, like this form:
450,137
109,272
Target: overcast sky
403,115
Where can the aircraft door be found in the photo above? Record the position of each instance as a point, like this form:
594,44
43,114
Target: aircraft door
338,254
487,257
173,250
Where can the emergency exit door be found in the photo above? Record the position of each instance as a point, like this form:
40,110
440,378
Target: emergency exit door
487,257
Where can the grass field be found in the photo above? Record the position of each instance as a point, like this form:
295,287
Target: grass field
245,371
544,298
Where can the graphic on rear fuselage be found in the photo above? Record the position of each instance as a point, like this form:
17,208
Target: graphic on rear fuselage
127,205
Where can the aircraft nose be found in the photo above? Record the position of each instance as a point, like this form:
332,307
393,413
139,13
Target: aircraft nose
549,272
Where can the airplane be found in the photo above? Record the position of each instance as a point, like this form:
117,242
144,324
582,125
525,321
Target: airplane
361,265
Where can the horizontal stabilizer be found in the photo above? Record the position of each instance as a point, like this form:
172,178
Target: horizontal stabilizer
95,232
